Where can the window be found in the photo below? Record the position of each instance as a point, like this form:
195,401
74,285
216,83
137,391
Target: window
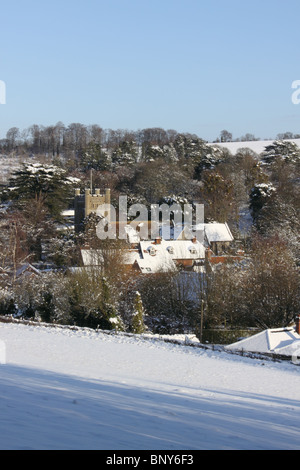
152,251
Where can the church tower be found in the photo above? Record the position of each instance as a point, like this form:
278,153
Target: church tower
87,203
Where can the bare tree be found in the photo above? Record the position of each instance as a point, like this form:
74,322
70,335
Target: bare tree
226,136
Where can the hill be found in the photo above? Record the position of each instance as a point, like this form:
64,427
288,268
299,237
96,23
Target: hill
64,389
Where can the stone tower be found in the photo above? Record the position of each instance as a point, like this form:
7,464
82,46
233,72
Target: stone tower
87,203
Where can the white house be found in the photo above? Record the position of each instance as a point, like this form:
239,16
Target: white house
163,255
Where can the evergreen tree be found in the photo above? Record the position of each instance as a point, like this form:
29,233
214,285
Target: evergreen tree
280,149
259,196
217,194
109,311
46,309
94,157
138,325
126,154
47,184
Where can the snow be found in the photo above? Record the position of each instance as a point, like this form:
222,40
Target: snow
282,341
216,232
65,389
258,146
162,256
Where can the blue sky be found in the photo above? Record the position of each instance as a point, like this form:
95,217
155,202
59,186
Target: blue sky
193,66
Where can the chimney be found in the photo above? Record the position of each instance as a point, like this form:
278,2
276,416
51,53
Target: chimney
194,240
157,241
298,324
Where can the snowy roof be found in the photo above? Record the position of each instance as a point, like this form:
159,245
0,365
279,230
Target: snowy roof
216,232
130,256
283,341
155,265
25,268
174,249
95,257
162,256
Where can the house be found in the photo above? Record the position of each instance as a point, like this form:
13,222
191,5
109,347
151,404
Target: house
218,237
218,241
163,255
27,270
15,273
280,341
214,235
152,256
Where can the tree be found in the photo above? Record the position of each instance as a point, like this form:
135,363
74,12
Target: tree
94,157
226,136
261,292
260,195
43,297
138,326
109,307
12,137
280,149
273,283
76,138
248,138
37,226
170,301
47,184
125,154
13,243
156,179
217,194
224,297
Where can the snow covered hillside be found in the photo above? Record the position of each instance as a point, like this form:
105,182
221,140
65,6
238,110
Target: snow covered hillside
64,389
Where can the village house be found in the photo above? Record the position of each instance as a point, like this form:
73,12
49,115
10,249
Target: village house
163,255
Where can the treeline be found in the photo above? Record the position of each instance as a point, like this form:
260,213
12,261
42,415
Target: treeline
71,140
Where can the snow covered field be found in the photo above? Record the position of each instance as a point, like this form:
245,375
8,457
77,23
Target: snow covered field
258,146
64,389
